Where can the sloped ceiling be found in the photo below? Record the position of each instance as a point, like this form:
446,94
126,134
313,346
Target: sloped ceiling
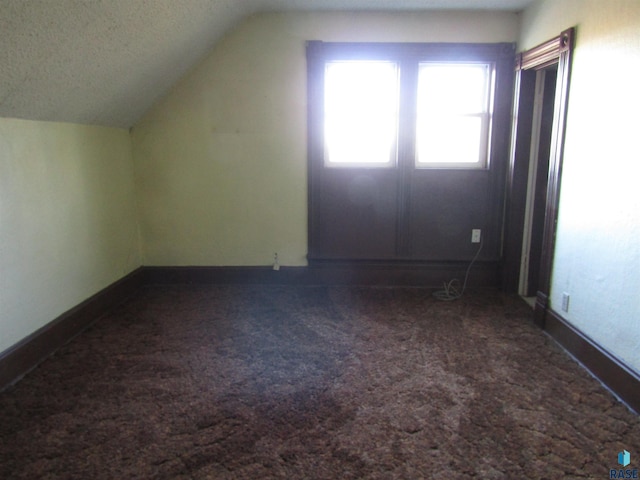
105,62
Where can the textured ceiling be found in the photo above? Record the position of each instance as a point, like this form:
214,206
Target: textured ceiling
105,62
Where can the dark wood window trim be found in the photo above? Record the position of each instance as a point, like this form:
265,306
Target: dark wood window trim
400,245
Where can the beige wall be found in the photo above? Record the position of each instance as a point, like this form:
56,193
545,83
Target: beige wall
67,219
597,258
221,162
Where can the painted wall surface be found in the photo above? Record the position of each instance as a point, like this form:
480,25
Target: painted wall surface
597,258
221,163
67,219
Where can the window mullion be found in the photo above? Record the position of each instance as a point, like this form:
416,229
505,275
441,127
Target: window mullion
408,104
406,151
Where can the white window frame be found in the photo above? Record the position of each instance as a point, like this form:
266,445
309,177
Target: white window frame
486,116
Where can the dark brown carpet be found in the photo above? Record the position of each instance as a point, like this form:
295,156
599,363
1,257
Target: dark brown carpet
256,382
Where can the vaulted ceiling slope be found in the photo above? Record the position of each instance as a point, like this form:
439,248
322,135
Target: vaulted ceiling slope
105,62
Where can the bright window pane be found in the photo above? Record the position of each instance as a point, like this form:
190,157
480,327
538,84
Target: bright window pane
361,112
450,140
453,107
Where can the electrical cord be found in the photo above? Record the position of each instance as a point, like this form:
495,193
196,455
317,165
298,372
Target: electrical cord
450,291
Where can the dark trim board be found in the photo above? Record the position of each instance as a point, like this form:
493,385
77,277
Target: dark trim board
540,309
432,275
612,372
28,353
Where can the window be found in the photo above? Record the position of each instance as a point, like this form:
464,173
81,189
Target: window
447,110
453,114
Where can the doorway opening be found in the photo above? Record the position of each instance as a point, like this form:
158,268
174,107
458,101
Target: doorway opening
537,182
535,167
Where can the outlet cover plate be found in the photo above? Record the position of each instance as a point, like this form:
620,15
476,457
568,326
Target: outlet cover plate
565,302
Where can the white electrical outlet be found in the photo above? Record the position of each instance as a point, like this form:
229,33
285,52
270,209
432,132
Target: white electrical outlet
565,302
475,235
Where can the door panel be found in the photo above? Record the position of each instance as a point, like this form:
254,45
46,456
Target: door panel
356,214
444,207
